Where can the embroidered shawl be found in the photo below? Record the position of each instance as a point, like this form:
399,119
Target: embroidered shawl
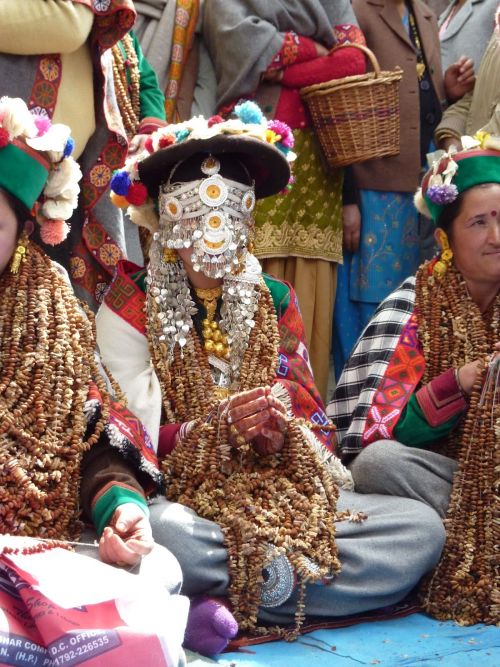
126,298
361,397
166,31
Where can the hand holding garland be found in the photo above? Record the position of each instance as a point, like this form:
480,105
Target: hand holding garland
259,418
467,374
128,536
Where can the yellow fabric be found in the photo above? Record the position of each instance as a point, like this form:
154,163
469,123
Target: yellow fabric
28,26
182,40
75,100
315,283
307,222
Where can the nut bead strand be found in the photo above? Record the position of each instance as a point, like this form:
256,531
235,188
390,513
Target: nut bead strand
464,585
127,94
287,500
47,361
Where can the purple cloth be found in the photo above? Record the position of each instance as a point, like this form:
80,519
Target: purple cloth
210,626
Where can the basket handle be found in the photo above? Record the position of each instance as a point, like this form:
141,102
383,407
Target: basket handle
371,56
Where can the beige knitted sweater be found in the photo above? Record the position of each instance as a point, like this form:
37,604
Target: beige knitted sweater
56,26
480,109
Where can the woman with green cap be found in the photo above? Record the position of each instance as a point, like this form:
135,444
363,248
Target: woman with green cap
417,404
66,444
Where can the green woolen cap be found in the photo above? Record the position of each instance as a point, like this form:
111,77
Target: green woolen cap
474,168
23,172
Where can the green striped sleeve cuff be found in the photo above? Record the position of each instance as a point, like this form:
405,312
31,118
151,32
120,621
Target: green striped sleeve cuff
115,496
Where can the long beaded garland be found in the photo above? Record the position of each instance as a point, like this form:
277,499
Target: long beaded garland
127,94
287,500
47,360
34,547
453,332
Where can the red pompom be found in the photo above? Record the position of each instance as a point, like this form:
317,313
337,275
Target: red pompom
166,140
148,145
53,232
137,194
214,120
4,137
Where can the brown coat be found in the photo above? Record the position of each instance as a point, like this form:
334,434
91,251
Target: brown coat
386,37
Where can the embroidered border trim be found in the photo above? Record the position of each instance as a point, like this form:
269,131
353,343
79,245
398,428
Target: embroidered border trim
294,239
441,399
126,299
403,374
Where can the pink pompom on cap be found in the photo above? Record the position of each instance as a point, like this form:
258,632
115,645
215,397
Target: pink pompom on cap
43,124
54,232
214,120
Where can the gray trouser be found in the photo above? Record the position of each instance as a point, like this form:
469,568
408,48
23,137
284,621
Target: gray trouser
382,557
388,467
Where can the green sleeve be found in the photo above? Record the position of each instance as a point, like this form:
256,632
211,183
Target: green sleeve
280,293
414,430
151,96
115,496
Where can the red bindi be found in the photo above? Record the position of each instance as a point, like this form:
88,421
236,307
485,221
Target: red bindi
494,214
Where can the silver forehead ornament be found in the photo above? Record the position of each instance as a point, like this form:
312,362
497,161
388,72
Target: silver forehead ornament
212,216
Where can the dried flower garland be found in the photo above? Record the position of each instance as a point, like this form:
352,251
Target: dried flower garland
452,330
47,360
286,501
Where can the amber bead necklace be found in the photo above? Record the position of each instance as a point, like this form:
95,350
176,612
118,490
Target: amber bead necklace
215,341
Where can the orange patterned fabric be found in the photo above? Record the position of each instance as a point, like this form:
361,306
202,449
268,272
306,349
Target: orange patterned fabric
94,257
347,33
186,16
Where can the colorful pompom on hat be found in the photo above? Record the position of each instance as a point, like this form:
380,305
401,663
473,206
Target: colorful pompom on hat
36,167
454,172
263,147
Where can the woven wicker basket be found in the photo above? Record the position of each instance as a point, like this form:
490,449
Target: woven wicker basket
356,118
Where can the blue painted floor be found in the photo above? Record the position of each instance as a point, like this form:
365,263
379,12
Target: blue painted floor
413,640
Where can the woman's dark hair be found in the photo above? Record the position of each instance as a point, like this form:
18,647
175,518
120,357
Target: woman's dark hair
230,167
21,211
449,213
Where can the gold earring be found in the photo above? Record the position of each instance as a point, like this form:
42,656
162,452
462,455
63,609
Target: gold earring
170,255
443,264
19,255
